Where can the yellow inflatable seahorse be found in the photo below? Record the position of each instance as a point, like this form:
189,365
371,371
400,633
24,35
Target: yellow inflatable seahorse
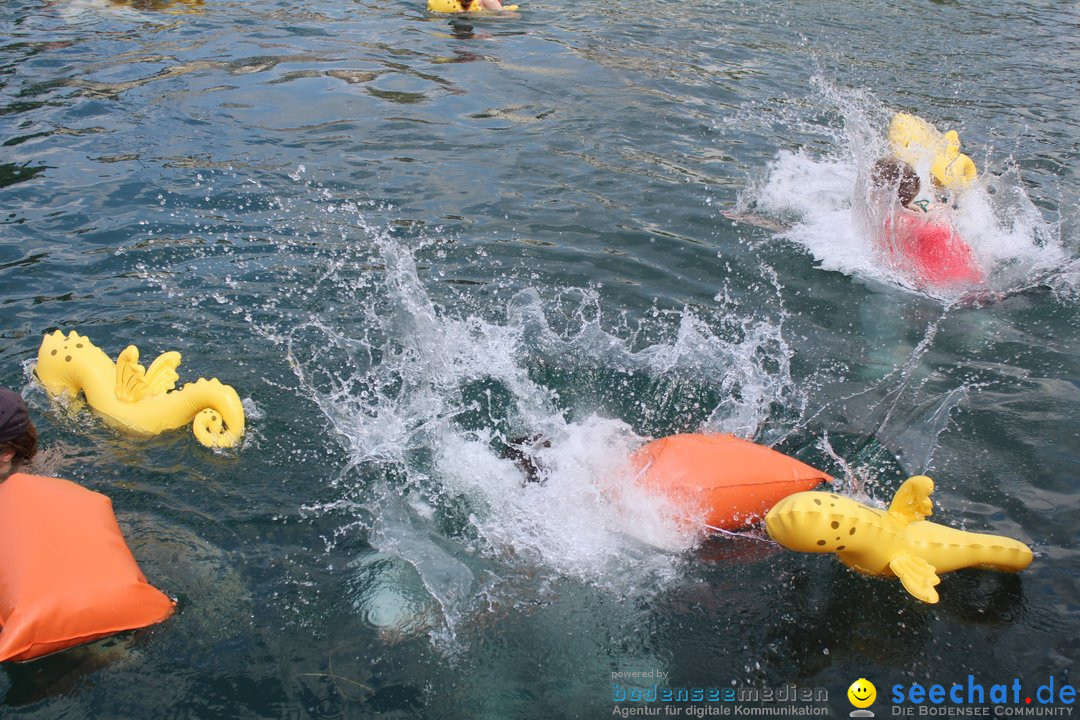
138,399
897,542
917,142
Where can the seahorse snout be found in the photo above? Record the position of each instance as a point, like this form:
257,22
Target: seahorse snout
810,522
787,524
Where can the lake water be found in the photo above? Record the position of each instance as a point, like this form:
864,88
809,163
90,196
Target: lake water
406,239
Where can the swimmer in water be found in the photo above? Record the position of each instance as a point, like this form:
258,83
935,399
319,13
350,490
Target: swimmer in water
522,451
917,235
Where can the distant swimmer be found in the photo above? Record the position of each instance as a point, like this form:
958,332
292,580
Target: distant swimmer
169,6
468,6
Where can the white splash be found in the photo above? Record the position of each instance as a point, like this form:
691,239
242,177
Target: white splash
428,398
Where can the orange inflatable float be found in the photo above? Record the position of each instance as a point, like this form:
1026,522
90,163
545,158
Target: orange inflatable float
723,480
66,575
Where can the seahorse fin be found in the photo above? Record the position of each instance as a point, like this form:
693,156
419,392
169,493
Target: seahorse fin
134,382
917,576
912,501
162,376
129,375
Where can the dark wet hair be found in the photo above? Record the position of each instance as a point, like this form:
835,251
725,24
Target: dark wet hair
520,450
24,446
17,433
888,172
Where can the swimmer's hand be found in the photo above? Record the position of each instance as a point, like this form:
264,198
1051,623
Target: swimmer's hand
980,298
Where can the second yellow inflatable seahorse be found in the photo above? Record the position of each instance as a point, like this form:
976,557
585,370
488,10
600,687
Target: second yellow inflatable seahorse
894,542
915,141
138,399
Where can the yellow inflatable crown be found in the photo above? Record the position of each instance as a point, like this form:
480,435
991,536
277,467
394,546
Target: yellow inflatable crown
138,399
897,542
916,141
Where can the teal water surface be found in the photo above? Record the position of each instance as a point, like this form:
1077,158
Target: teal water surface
406,239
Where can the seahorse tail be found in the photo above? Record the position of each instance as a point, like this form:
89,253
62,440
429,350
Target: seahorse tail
1006,554
221,422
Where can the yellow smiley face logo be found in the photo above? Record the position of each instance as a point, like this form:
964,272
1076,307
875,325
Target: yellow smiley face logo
862,693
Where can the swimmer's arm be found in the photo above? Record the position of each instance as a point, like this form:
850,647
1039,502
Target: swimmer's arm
761,221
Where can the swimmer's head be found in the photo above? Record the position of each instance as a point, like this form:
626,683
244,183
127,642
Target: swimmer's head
522,451
890,173
18,436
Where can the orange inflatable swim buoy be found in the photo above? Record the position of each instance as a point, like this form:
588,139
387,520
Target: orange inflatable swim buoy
66,575
724,480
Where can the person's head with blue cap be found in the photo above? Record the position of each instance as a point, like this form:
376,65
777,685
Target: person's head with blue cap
18,436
